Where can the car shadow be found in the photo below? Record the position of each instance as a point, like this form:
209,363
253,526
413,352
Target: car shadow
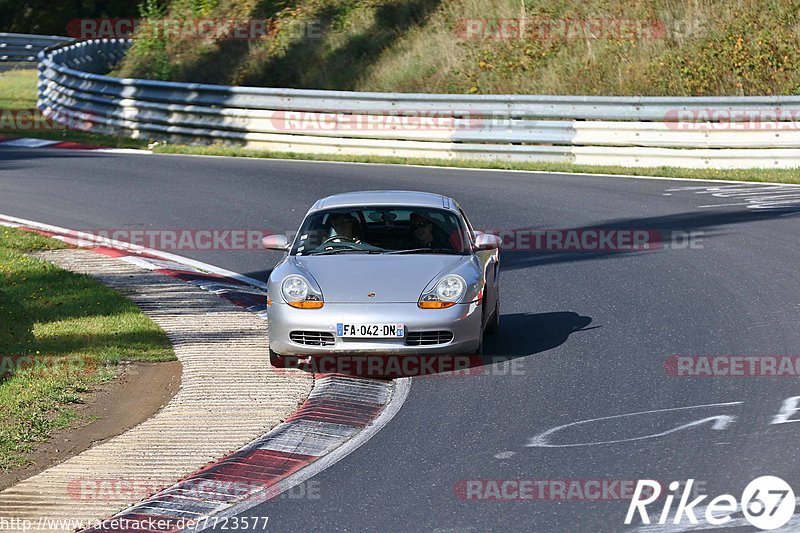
520,335
523,334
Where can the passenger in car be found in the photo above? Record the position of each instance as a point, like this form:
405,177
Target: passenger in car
426,234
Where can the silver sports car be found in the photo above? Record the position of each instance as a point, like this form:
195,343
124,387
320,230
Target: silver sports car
383,272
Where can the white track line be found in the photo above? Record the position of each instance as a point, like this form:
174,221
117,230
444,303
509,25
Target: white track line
134,248
442,167
122,151
469,169
29,143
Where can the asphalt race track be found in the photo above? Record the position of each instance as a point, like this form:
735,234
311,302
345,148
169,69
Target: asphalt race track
585,335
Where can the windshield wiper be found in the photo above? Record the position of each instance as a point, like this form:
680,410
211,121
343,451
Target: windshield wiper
423,251
346,250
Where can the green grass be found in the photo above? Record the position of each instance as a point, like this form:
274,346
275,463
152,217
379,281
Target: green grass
18,89
713,47
756,175
60,334
18,92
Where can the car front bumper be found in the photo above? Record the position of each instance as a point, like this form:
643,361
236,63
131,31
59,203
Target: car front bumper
462,320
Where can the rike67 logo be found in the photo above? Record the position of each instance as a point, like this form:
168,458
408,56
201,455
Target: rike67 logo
767,503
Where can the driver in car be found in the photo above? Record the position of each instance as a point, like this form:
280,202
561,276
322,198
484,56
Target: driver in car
346,226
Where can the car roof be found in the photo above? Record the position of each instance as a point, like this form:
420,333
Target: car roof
398,198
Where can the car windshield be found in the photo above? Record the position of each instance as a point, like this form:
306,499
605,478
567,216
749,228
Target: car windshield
382,230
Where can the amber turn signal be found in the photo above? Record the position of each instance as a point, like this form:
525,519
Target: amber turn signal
435,305
307,304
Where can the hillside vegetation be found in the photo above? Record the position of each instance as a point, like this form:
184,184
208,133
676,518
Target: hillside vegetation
51,17
623,47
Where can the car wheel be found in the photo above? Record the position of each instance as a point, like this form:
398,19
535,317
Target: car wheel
494,323
280,361
276,360
481,333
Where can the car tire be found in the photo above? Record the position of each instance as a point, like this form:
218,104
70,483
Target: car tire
276,360
494,323
280,361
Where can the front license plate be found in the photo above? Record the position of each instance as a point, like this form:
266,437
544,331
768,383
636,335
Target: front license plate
377,331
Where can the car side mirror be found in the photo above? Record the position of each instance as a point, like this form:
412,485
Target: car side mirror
487,241
276,242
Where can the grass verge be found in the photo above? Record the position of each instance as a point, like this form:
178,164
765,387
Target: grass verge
18,89
789,176
61,334
18,93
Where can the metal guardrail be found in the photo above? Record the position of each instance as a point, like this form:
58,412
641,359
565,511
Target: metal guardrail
629,131
18,47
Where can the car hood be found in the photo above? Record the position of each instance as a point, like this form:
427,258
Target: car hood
392,278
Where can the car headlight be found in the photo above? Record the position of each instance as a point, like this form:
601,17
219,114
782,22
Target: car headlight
446,293
298,293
